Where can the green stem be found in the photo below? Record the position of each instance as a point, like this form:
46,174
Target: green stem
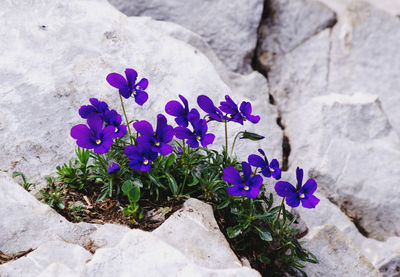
279,213
226,135
126,118
233,144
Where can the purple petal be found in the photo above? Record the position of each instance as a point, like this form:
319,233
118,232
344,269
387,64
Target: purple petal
252,192
125,92
117,80
161,124
310,186
145,167
205,103
183,133
285,189
207,140
245,109
256,161
113,168
299,176
80,131
182,121
246,169
265,171
142,85
135,164
131,76
108,133
86,110
194,116
185,103
293,200
132,151
174,108
193,143
165,149
253,118
167,134
231,175
95,123
141,97
235,190
144,128
310,201
256,181
261,152
121,131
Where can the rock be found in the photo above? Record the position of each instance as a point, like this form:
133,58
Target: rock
26,223
228,26
338,139
288,25
71,256
296,77
339,6
58,270
143,254
365,57
45,65
194,231
391,266
337,256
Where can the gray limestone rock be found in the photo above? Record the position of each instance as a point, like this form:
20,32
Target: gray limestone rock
229,26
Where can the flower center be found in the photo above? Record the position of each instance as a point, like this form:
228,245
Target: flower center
302,195
146,162
116,130
98,141
198,137
246,188
157,143
271,169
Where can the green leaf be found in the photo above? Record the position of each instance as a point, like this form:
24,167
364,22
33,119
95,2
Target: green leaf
223,205
233,232
173,186
127,186
195,182
251,136
134,194
264,234
170,160
264,259
17,173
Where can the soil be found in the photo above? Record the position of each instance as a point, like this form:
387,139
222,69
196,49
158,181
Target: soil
111,210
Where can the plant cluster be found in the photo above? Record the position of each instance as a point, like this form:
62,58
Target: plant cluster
138,161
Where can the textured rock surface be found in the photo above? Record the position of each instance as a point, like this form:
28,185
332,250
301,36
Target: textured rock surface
64,73
188,243
349,134
365,57
71,256
195,232
290,23
337,256
230,27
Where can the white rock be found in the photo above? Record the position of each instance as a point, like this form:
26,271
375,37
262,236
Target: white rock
143,254
290,23
65,63
72,256
58,270
365,57
26,223
347,143
337,256
339,6
230,27
194,231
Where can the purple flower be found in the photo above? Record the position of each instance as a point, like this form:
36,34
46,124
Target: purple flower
128,86
96,107
140,156
207,105
113,168
245,109
178,150
94,137
112,118
158,140
199,133
248,186
180,112
267,169
231,108
303,194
